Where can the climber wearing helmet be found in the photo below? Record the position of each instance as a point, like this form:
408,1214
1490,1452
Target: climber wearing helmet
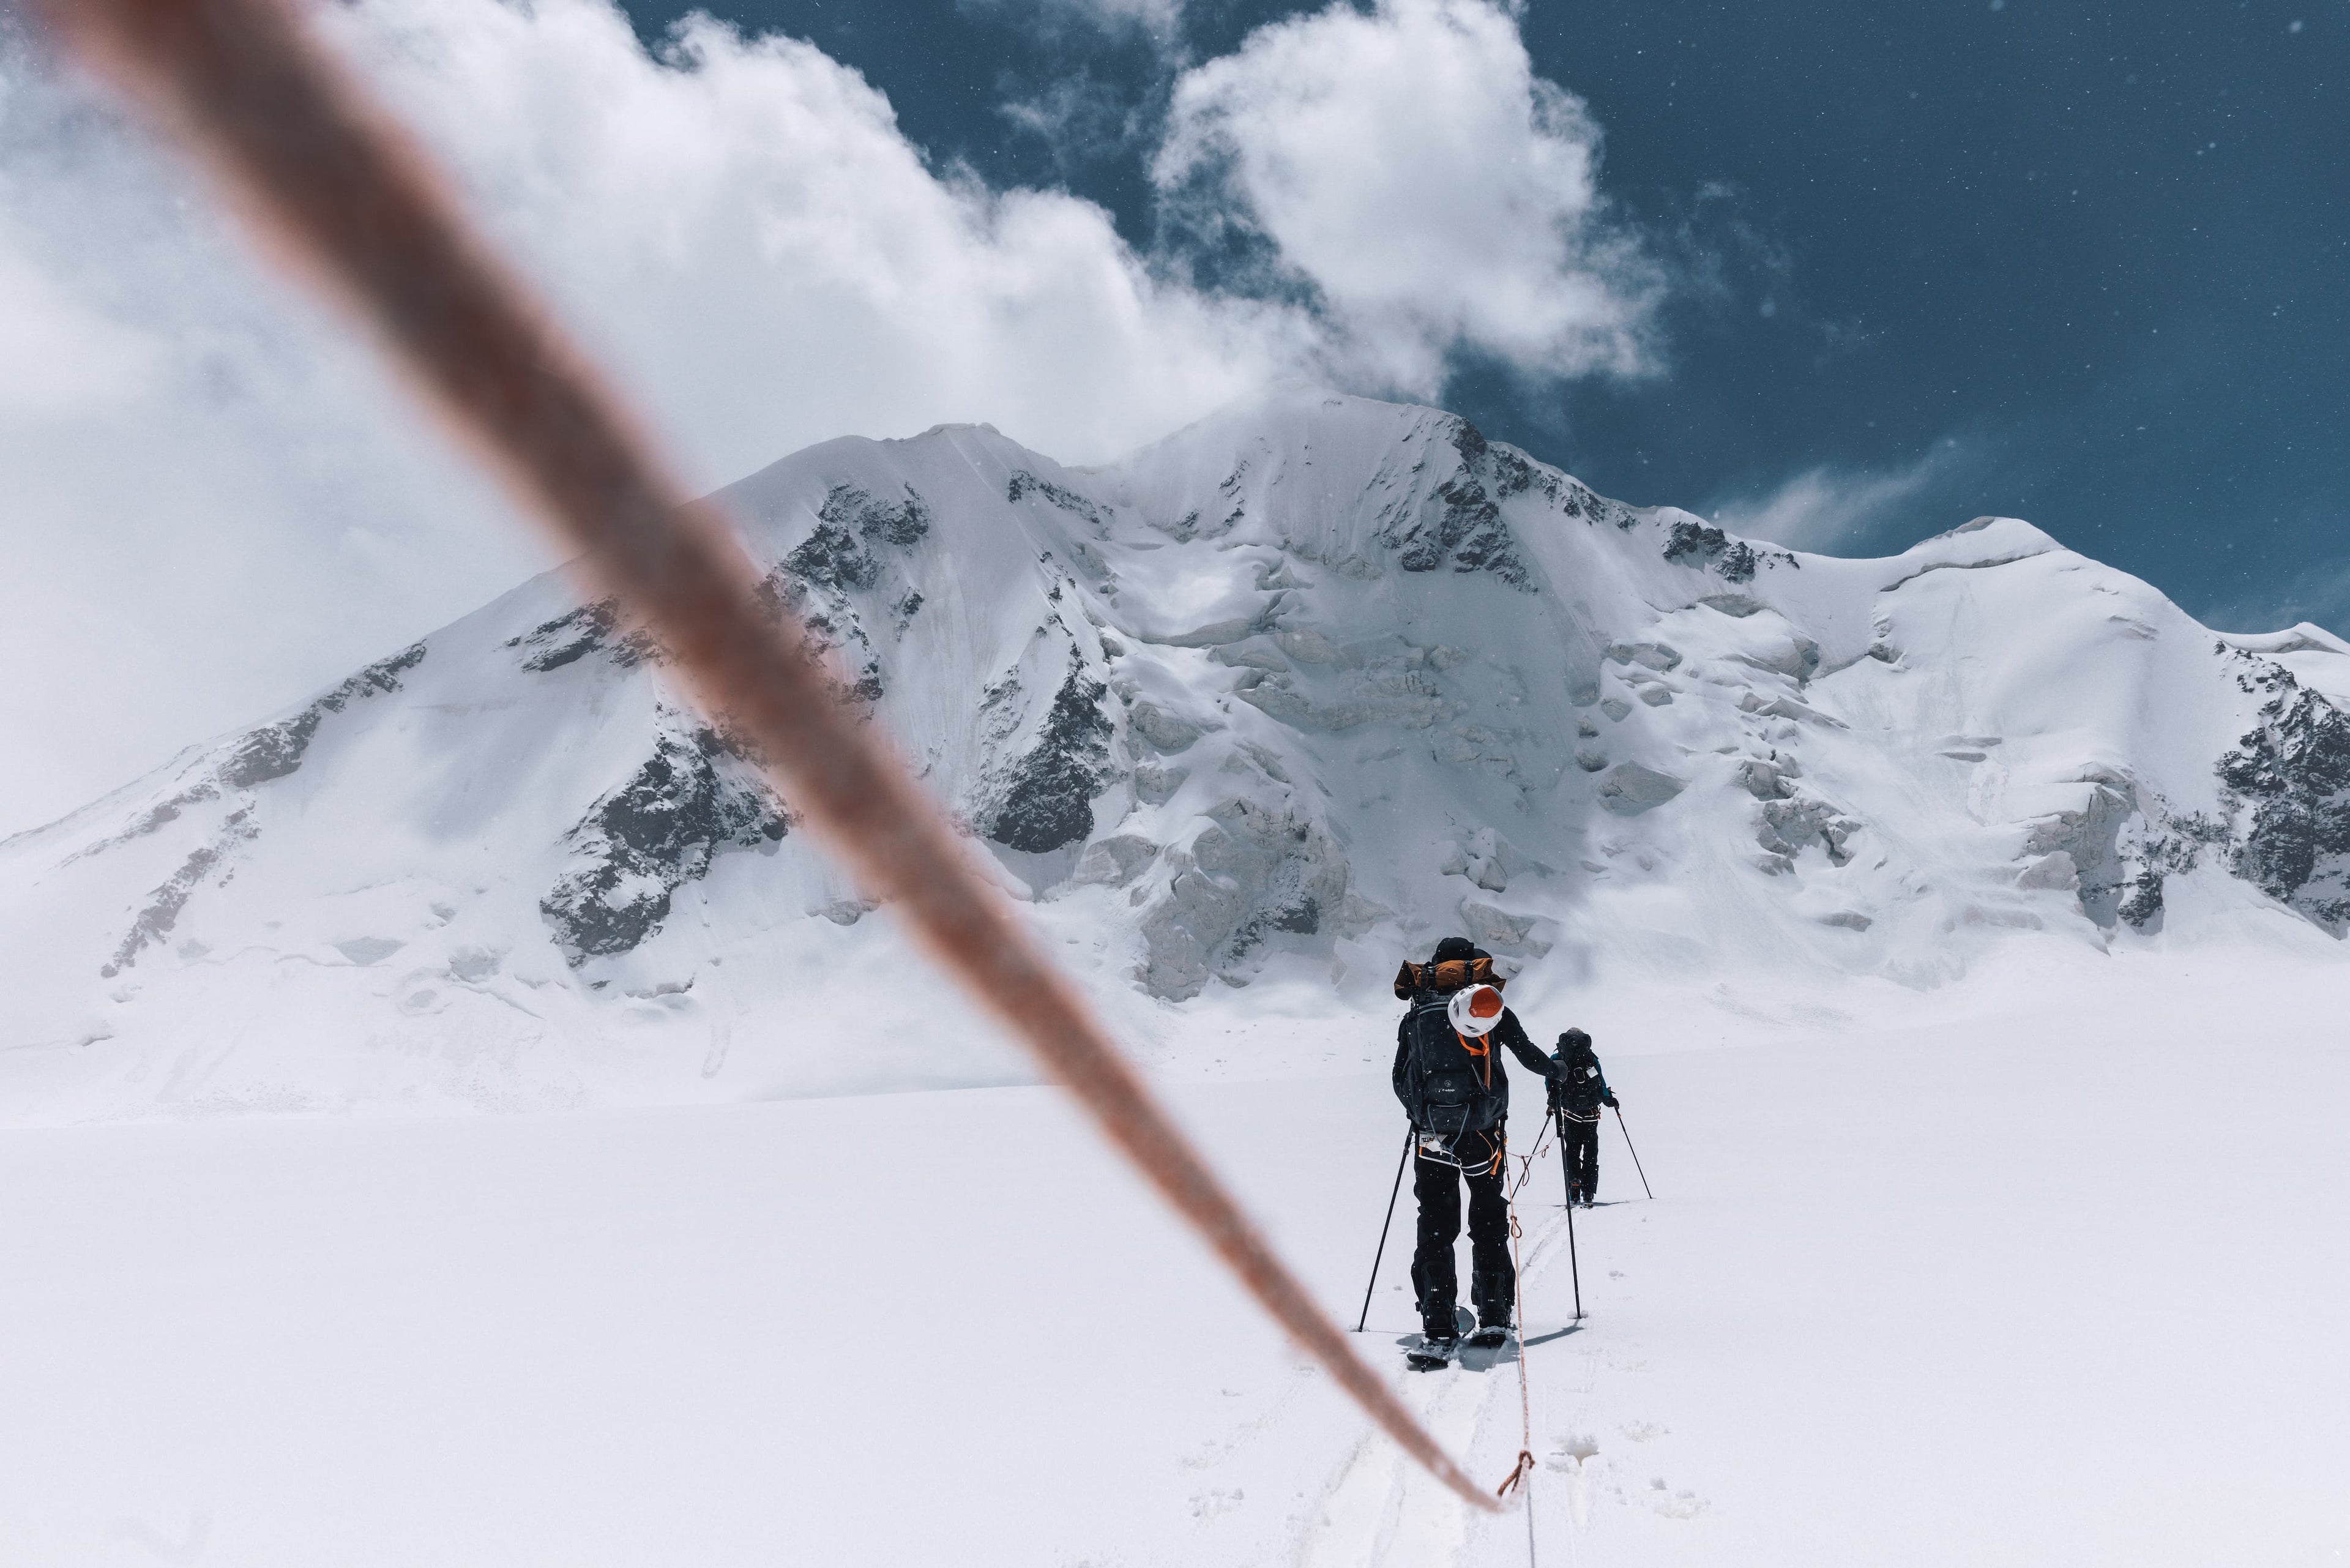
1458,1097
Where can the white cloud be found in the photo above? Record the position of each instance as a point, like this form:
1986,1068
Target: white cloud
199,472
1434,191
745,230
217,503
1822,508
1159,19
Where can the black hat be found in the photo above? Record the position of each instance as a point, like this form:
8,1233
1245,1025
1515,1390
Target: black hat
1452,948
1575,1037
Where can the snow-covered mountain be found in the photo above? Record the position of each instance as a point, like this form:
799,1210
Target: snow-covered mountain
1264,706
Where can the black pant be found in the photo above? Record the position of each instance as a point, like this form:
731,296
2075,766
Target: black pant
1474,1157
1579,1143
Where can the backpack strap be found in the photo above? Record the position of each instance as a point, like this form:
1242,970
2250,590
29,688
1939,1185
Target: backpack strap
1481,1051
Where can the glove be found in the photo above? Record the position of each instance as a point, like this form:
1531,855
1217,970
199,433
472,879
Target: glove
1613,1102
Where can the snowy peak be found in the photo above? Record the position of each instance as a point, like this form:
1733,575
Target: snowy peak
1302,686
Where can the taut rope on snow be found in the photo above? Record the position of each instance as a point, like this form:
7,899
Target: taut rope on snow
1520,1473
337,191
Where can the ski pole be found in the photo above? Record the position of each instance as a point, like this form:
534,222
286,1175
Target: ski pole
1408,1133
1636,1153
1566,1155
1567,1169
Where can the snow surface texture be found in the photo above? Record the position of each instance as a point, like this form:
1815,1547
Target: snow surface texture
1266,706
2044,1284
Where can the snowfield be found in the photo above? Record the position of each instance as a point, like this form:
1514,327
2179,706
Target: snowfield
2057,1281
1963,929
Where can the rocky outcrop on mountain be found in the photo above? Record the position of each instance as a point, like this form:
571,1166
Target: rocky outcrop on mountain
153,923
574,634
1458,525
691,800
1307,685
2291,775
1048,801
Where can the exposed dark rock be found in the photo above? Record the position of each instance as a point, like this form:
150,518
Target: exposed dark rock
687,804
1462,524
1733,560
271,751
902,523
1577,501
834,557
1026,483
1049,802
846,555
2293,773
832,628
153,818
276,750
572,636
163,905
2151,864
2143,907
1301,914
842,554
167,811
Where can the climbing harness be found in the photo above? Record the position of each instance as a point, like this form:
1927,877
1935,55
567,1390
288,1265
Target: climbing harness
1441,1149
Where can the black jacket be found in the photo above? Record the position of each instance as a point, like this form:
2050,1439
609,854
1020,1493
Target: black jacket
1509,1032
1577,1084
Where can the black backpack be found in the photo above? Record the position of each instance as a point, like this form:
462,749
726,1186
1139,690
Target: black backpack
1578,1087
1451,1087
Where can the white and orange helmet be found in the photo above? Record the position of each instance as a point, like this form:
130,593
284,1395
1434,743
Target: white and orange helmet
1475,1010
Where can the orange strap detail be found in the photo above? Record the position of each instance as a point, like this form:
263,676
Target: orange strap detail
1476,1046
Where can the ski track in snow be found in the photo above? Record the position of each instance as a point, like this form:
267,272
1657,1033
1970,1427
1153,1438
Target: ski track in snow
1935,1292
1382,1510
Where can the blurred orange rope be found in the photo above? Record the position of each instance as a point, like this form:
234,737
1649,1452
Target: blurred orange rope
335,189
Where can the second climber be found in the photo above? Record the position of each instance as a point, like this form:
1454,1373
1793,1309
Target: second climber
1578,1088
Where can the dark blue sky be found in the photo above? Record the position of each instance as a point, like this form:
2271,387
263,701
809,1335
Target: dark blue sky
2100,249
